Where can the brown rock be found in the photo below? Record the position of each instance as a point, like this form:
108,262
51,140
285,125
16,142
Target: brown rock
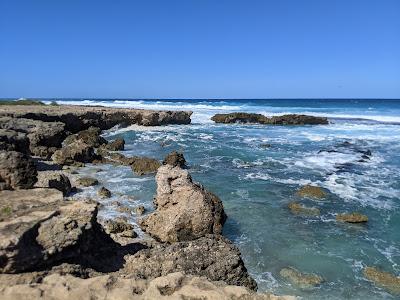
87,181
304,281
290,119
385,280
175,159
185,210
54,179
90,136
145,165
75,152
11,140
17,171
139,210
297,208
116,145
311,191
352,218
104,193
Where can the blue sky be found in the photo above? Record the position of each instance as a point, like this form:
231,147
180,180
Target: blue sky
200,49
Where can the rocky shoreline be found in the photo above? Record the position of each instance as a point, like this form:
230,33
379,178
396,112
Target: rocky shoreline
55,247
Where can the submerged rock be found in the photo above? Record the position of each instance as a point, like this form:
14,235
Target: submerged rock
289,119
212,256
104,193
185,210
298,208
145,165
311,191
303,280
54,179
17,171
352,218
87,181
385,280
175,159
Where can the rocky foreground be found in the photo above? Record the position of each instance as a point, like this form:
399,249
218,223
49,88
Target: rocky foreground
55,247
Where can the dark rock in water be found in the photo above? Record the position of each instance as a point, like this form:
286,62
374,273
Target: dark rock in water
116,145
265,146
352,218
290,119
75,152
145,165
185,210
17,171
104,193
175,159
44,137
87,181
90,136
211,256
11,140
54,179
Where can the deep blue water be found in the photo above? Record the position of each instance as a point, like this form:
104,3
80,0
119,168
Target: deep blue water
256,184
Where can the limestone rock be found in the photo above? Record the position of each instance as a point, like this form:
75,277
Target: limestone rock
54,179
145,165
185,210
75,152
17,171
175,159
385,280
90,136
289,119
87,181
104,193
212,256
297,208
11,140
311,191
304,281
139,210
116,145
352,218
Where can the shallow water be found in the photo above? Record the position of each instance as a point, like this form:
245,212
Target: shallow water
256,184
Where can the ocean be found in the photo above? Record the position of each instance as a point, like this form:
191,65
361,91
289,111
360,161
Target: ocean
256,170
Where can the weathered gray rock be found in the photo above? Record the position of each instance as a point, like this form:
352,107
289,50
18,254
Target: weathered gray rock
77,151
54,179
87,181
90,136
104,193
185,210
116,145
11,140
139,210
211,256
175,159
145,165
17,171
290,119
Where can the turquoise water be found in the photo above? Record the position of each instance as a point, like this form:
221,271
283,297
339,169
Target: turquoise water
257,183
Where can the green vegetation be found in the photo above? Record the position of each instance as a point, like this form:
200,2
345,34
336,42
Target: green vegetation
21,102
6,210
54,103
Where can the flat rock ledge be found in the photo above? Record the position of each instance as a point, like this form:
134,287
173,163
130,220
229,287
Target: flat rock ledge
290,119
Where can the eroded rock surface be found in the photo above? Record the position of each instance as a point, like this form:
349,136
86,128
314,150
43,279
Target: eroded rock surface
184,209
303,280
386,280
290,119
300,209
77,151
175,159
352,218
54,179
90,136
311,191
11,140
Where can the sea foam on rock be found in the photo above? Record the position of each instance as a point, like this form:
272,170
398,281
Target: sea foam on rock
184,209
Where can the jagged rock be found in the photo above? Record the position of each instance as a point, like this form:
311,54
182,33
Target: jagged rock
145,165
290,119
87,181
90,136
44,137
75,152
185,210
175,159
104,193
120,227
172,286
212,256
17,171
11,140
297,208
139,210
116,145
386,280
304,281
311,191
54,179
352,218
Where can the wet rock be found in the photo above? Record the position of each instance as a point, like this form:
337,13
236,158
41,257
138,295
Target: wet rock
265,146
175,159
297,208
87,181
104,193
11,140
139,210
352,218
386,280
116,145
289,119
54,179
145,165
90,136
311,191
44,137
124,209
172,286
211,256
304,281
17,171
184,209
76,152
